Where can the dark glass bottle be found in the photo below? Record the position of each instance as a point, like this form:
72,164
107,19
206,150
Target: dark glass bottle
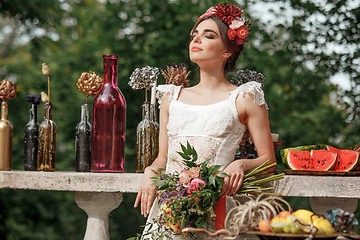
6,131
83,142
109,112
144,140
31,141
47,141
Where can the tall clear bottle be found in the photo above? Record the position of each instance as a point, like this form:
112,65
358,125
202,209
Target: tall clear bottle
83,142
6,131
31,141
109,114
47,141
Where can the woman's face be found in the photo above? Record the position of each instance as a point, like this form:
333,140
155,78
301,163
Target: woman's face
206,44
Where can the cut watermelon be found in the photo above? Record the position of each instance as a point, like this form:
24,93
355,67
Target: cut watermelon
316,160
299,160
284,152
347,160
323,160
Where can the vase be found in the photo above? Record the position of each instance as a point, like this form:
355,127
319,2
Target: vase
108,128
155,136
144,140
6,131
31,141
47,141
83,142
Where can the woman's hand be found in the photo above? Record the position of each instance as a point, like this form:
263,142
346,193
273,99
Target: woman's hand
147,192
232,184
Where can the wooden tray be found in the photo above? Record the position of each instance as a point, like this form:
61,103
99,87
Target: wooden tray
322,173
300,236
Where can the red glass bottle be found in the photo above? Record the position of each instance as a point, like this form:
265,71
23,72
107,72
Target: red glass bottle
108,133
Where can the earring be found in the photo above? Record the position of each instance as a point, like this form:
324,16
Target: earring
226,54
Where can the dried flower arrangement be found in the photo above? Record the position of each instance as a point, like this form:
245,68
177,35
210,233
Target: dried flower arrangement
176,74
144,78
7,90
33,99
46,71
244,76
90,84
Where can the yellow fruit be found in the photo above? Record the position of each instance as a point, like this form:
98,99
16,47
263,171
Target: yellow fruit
323,225
303,215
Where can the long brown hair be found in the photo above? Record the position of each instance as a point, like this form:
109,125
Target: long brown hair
230,45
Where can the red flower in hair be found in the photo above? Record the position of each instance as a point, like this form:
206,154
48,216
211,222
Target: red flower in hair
242,32
239,41
231,34
227,13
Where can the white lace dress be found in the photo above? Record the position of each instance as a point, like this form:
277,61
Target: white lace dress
213,130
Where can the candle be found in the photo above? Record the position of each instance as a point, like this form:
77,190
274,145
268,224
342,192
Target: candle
153,93
275,137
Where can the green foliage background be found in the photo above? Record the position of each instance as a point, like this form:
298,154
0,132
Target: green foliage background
72,35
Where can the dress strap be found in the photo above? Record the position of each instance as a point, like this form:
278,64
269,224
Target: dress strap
168,88
254,88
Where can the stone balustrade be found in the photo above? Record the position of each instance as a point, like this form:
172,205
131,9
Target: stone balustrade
100,193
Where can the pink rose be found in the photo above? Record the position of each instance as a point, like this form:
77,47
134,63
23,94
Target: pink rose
235,24
195,185
231,34
242,32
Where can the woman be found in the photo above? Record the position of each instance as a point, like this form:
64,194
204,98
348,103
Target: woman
214,114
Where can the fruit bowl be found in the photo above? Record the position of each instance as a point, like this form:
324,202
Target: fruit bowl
299,236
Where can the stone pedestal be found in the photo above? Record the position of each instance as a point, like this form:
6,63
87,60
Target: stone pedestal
98,206
320,205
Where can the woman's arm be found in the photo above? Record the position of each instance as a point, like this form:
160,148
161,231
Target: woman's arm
257,121
147,190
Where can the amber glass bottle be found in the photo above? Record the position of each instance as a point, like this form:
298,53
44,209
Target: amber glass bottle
6,131
47,141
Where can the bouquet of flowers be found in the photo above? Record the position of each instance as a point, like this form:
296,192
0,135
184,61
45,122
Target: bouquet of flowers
188,199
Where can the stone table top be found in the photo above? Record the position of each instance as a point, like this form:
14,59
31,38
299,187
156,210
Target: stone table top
290,185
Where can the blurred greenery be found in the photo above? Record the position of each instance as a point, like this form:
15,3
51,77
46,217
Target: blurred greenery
299,46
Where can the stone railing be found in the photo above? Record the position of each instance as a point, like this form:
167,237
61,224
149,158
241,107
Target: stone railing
100,193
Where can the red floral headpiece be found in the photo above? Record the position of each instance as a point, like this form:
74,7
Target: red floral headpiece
231,16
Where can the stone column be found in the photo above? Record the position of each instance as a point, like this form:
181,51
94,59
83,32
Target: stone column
98,206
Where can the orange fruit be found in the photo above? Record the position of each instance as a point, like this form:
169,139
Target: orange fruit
263,226
283,214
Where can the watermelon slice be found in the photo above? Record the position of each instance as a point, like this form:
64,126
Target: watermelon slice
284,152
316,160
347,160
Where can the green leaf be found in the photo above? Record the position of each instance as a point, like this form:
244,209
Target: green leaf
212,180
221,174
214,169
165,186
184,156
185,151
183,221
159,182
190,164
